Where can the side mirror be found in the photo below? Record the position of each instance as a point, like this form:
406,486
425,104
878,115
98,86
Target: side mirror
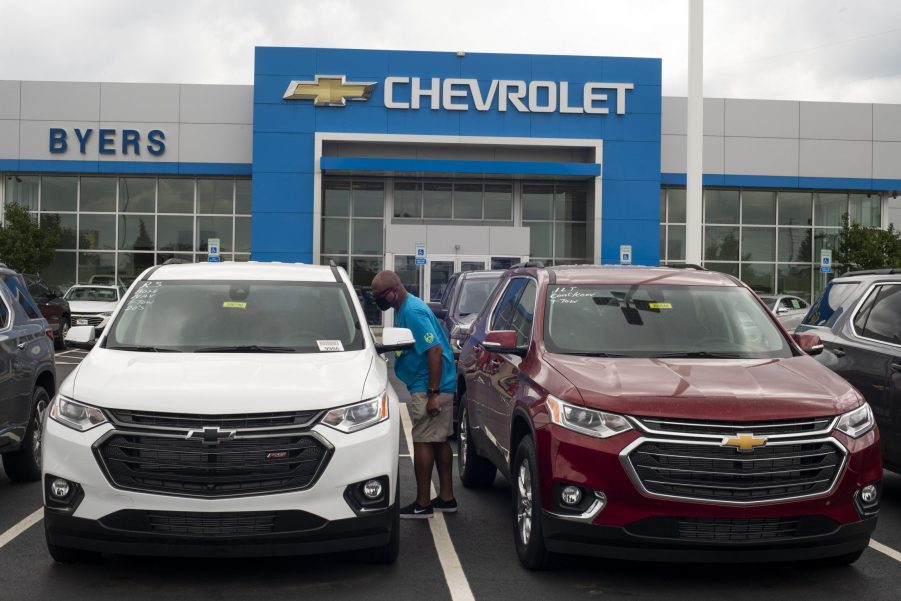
809,343
81,336
439,311
461,330
394,339
504,342
781,310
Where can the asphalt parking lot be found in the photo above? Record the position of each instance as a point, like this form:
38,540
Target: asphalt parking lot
468,555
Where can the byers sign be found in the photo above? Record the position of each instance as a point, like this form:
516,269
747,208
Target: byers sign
463,94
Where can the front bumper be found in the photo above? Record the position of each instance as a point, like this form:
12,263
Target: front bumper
131,532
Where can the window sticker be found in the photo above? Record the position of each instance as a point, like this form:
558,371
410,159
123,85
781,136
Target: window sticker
660,305
330,345
143,297
234,305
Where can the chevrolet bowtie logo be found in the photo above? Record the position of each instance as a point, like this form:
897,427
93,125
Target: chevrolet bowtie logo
745,443
211,436
329,90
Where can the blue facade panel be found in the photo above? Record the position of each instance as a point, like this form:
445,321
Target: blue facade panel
284,131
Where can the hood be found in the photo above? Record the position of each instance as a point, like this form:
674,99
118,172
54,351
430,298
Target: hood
77,306
726,389
219,383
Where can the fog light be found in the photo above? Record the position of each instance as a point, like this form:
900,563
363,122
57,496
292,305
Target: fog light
869,494
571,495
372,489
60,488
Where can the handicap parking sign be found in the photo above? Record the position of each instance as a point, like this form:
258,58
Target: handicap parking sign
214,250
826,261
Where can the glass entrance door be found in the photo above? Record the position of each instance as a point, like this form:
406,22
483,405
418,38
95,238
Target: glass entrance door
439,269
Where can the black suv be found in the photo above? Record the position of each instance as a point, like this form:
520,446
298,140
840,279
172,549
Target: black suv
463,298
28,379
858,319
53,307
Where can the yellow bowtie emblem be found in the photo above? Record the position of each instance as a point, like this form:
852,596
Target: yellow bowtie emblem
745,442
329,90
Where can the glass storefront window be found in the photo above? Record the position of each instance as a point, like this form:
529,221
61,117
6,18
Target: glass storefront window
662,243
59,193
721,206
537,203
61,272
175,232
676,243
795,245
408,200
131,265
137,232
570,204
675,205
97,232
214,227
406,269
467,201
499,201
215,196
368,199
539,239
242,234
795,280
794,208
758,244
720,243
335,236
829,208
865,209
436,201
336,199
759,276
137,195
758,207
24,190
662,205
90,264
729,268
363,269
176,195
570,240
824,238
67,224
243,199
367,236
98,194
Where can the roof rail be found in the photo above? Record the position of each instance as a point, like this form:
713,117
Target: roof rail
527,264
334,267
889,271
683,266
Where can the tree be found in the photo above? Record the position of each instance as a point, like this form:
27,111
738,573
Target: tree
26,245
862,247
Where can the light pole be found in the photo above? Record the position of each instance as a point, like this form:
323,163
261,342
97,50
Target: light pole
695,129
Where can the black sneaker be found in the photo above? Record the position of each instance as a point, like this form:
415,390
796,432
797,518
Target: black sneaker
415,511
444,506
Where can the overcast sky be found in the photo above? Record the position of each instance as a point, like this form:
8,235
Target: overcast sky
844,50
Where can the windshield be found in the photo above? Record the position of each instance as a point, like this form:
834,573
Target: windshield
232,316
91,293
474,295
660,321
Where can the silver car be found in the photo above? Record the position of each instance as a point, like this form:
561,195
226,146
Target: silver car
789,310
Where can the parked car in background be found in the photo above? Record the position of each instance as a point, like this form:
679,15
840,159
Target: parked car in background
27,378
465,295
92,305
858,318
106,280
53,307
789,310
229,409
656,413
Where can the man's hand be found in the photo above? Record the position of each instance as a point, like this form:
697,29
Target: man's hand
433,407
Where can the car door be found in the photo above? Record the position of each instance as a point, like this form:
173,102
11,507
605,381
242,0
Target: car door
44,299
9,391
876,352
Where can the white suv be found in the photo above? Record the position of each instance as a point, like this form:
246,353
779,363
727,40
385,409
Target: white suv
229,409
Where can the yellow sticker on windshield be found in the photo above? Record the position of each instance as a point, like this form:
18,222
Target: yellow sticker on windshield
234,305
660,305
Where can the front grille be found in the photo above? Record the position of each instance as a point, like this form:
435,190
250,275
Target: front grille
211,525
737,529
711,472
801,427
232,421
176,465
91,320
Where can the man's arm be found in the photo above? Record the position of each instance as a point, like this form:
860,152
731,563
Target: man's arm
434,356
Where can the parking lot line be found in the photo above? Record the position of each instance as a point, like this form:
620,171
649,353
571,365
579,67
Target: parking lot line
885,550
21,527
447,555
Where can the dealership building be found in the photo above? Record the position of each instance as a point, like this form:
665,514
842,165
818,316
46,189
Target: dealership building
363,156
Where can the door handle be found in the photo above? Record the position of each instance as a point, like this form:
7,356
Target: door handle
21,345
838,352
896,367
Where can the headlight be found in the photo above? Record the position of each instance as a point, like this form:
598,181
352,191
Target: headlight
358,416
75,415
858,422
587,421
106,314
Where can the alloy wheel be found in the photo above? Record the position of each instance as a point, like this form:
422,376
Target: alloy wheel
463,436
524,502
38,431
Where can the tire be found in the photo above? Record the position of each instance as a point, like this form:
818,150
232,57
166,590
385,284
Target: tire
475,471
841,560
388,553
68,554
24,465
59,340
528,534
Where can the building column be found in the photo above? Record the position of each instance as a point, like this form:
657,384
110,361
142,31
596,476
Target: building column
694,233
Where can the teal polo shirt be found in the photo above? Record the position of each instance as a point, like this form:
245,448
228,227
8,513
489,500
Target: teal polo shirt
412,365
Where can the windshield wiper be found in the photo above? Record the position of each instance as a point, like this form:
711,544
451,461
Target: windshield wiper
596,354
144,349
698,355
248,348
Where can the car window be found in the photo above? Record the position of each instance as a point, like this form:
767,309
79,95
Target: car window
879,318
448,292
20,293
660,320
92,293
769,301
4,313
786,303
503,312
837,298
474,293
188,315
521,321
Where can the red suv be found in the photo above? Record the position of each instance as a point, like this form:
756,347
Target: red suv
659,413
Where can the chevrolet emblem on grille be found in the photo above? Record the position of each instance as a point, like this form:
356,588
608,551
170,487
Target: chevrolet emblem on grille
745,443
211,436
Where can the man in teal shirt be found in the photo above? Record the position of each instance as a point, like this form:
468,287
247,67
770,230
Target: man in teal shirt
428,371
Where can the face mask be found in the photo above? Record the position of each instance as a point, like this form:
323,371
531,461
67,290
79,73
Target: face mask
382,303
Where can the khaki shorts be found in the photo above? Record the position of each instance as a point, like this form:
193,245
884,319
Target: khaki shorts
427,428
